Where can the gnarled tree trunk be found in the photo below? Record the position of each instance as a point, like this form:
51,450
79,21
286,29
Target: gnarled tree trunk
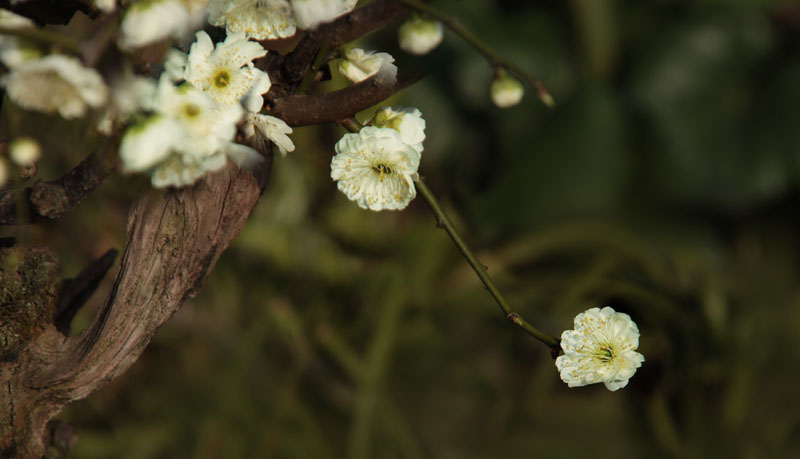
173,241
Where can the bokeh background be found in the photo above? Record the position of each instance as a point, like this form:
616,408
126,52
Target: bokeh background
664,184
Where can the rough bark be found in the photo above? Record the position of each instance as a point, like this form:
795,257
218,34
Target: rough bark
174,239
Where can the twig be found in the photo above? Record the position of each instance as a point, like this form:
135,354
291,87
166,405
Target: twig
494,58
444,222
50,200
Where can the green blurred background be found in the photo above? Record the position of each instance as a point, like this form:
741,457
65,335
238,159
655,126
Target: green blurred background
664,184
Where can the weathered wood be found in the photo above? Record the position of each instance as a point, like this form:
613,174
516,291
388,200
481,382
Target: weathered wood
174,239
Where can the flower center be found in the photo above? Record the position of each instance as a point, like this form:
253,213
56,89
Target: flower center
191,110
222,79
605,354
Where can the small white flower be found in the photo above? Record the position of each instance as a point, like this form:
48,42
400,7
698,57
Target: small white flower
56,83
260,129
150,21
358,65
407,121
506,91
311,13
259,19
601,348
130,94
183,170
106,6
148,143
420,36
226,73
376,169
14,50
24,151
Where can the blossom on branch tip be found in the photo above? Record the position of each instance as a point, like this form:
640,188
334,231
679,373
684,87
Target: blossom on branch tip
225,72
56,83
376,169
358,65
407,121
311,13
419,35
149,21
260,129
259,19
601,348
506,91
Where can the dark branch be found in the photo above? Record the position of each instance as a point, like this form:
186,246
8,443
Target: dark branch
303,110
50,200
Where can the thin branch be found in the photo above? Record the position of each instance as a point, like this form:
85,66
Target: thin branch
444,222
50,200
75,292
494,58
304,110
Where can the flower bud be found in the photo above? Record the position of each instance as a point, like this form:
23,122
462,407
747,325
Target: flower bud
506,91
419,36
24,151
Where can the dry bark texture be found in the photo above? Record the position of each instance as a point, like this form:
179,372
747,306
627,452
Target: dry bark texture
174,240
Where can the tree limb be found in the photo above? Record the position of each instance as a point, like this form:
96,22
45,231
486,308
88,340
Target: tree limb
303,110
50,200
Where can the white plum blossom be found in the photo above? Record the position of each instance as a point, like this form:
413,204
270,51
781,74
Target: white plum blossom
601,348
358,65
226,73
310,13
15,50
260,129
131,94
56,83
407,121
186,137
419,35
24,151
259,19
506,91
106,6
376,169
149,21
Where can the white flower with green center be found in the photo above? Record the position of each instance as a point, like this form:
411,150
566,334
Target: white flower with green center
149,21
358,65
419,35
56,83
188,136
259,19
259,129
226,73
407,121
376,169
601,348
311,13
506,91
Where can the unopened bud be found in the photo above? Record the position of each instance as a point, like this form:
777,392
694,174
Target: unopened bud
24,151
420,36
506,91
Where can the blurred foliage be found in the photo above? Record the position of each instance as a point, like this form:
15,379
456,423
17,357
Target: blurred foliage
665,184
